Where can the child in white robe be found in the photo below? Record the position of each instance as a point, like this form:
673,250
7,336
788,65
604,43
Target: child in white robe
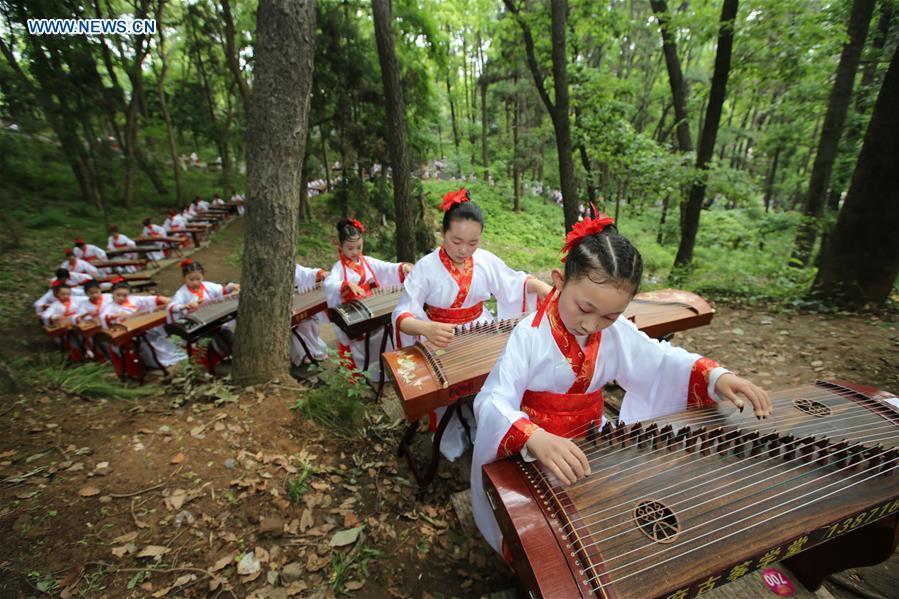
117,241
65,307
153,230
74,280
304,279
73,263
546,388
449,287
354,276
124,305
88,252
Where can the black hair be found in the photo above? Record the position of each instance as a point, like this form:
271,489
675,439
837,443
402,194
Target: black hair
62,274
113,229
347,230
57,288
79,244
192,266
121,285
463,211
148,221
606,256
91,284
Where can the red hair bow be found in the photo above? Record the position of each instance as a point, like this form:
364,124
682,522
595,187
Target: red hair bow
454,197
79,240
117,279
56,283
186,262
68,251
588,226
359,226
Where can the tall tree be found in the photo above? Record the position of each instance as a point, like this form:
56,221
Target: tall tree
396,130
675,76
861,261
693,207
837,107
558,110
231,51
163,104
277,121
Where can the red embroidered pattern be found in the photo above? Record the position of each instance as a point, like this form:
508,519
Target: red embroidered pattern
563,414
698,390
359,269
519,433
582,364
461,277
455,315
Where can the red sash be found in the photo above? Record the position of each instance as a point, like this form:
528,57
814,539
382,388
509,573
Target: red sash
455,315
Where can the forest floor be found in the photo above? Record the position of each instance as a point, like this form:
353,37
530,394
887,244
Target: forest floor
120,498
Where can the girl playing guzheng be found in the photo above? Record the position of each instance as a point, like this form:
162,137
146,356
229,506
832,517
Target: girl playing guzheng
304,279
545,391
354,276
124,306
449,286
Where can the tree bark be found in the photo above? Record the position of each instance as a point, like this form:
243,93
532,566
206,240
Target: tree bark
837,107
163,105
231,51
675,76
277,119
396,130
861,261
769,179
693,207
558,110
516,157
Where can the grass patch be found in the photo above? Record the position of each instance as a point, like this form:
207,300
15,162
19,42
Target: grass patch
91,380
337,401
298,485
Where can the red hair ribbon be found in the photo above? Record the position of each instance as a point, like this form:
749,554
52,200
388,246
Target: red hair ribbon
186,262
454,197
117,279
79,240
588,226
68,251
357,224
56,283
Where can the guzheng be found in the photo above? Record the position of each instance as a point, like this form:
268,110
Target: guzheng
307,303
426,378
122,333
205,319
680,504
361,316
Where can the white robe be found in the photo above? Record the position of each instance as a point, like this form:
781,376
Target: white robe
44,301
57,309
89,253
654,375
387,274
82,267
432,284
184,296
303,280
90,311
154,230
123,241
166,351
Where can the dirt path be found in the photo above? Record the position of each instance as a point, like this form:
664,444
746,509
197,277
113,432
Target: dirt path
248,500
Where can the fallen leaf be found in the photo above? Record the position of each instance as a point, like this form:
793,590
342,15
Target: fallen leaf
306,520
345,537
88,491
353,585
124,549
153,551
221,563
125,538
177,458
314,563
176,499
248,565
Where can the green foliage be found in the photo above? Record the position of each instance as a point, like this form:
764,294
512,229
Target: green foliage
337,401
298,485
90,380
193,384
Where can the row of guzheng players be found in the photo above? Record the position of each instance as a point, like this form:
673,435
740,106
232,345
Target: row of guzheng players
86,287
548,383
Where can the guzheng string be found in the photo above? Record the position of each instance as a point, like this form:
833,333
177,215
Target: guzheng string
839,486
471,344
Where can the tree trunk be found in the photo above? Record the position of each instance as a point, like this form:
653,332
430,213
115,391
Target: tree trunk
837,107
484,159
396,130
693,207
277,118
660,237
449,94
327,164
516,158
862,258
769,179
675,76
231,51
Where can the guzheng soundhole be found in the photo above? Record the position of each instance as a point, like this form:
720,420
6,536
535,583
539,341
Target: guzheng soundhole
812,408
656,521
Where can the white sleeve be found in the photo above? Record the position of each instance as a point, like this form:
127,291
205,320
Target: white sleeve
508,286
44,300
387,273
50,312
332,285
91,270
304,277
412,301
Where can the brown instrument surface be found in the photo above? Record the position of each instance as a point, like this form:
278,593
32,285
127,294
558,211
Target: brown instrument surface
131,277
360,316
426,378
123,332
722,493
140,249
159,239
117,263
306,304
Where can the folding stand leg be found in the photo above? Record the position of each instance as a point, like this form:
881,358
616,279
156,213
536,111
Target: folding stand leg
388,332
426,477
305,347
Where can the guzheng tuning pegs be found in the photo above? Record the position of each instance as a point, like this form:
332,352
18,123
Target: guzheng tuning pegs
890,459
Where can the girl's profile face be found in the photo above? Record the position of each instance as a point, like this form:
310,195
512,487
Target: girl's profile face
120,295
193,279
462,239
352,247
586,307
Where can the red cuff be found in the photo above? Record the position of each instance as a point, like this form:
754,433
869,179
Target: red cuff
402,273
518,434
399,320
345,293
160,301
698,390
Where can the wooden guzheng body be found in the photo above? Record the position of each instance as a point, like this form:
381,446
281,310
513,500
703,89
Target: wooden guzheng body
307,303
426,378
122,333
205,319
678,505
361,316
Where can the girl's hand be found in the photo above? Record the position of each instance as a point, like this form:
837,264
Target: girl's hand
407,268
356,289
563,458
192,306
232,287
440,333
730,385
320,276
542,289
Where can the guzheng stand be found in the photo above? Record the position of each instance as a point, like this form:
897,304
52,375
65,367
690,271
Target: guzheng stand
426,477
